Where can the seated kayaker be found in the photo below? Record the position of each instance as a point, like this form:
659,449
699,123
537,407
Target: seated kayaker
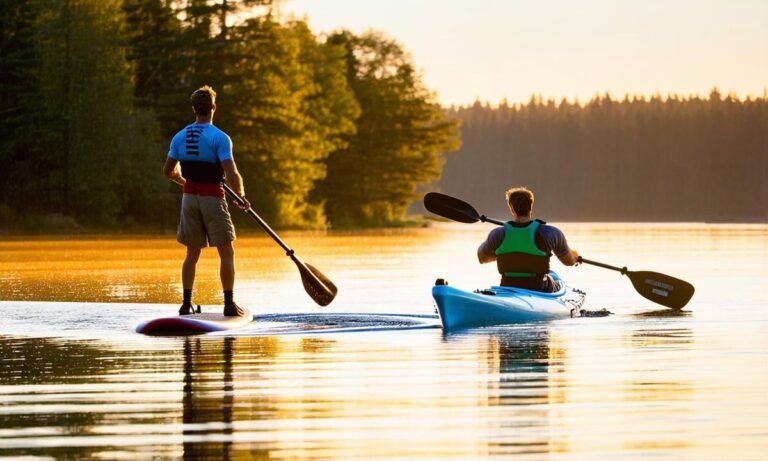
522,247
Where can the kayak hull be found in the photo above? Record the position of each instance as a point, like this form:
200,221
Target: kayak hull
504,305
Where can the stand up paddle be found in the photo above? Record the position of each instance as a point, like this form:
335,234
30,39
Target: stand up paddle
659,288
317,285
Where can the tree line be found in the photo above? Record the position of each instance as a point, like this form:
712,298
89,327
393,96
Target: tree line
335,130
632,159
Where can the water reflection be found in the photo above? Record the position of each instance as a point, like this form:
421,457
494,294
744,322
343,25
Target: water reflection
552,389
524,385
519,364
53,391
669,313
202,404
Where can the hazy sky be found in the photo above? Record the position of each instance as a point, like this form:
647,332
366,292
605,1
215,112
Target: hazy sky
491,49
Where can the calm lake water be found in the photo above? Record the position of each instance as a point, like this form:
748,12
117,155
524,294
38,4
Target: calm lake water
372,376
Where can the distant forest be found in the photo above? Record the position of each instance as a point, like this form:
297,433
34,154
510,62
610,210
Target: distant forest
333,130
632,159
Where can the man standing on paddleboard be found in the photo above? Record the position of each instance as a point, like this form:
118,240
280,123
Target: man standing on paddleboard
522,247
204,153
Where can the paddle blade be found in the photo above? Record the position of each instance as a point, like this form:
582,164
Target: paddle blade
662,289
316,284
451,208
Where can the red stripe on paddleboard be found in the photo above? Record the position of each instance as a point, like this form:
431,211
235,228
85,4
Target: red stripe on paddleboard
186,324
178,324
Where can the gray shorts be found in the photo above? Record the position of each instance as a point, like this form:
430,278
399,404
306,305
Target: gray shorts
205,221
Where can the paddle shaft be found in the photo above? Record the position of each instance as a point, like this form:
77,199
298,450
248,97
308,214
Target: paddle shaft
485,218
259,220
623,270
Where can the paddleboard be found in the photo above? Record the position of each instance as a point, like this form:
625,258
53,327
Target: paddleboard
204,322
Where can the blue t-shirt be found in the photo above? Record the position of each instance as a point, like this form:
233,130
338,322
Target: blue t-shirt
201,142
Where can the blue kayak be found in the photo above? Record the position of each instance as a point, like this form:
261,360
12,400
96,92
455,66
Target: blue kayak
504,305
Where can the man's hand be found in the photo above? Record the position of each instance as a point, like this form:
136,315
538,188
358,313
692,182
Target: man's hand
172,171
570,258
484,258
235,181
245,206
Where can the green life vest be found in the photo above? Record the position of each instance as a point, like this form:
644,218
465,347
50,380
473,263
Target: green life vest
518,255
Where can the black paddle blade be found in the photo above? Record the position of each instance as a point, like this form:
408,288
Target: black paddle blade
316,284
662,289
451,208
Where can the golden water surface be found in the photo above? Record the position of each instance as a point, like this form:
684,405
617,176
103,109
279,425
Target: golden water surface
77,383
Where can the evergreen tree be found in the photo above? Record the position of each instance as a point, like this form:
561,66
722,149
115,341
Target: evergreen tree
156,49
293,107
85,90
19,68
401,135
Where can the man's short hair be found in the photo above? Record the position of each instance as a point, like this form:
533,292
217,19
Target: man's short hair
203,100
521,200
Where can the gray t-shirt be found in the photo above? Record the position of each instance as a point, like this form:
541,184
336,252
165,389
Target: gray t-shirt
549,239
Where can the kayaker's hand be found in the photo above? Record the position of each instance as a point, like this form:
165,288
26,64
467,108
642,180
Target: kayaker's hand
569,258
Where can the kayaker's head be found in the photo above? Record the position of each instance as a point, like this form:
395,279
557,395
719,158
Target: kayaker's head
204,102
520,202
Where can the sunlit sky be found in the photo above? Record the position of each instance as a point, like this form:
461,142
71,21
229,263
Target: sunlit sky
492,49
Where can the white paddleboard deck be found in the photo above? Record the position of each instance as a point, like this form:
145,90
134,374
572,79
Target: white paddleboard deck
204,322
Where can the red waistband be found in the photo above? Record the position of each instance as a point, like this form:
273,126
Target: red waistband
208,189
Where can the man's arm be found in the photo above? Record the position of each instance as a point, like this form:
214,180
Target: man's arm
555,240
486,252
570,258
172,171
232,176
484,258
